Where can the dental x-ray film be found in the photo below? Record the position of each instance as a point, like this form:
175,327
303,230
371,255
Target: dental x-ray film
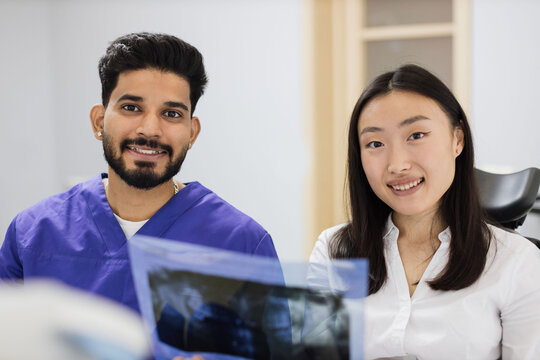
226,305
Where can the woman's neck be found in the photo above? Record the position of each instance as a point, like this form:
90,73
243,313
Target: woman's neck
420,228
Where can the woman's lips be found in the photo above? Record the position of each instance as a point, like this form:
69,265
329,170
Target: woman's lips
406,188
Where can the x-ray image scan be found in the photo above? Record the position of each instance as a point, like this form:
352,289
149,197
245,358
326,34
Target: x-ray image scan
205,313
225,305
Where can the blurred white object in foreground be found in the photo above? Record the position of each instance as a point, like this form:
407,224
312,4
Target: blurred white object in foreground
45,320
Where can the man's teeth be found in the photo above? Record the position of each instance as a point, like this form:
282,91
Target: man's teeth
407,186
146,152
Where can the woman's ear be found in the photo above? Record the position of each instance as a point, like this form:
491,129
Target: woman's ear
459,139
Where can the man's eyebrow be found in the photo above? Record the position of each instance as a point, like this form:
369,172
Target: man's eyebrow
176,104
405,122
130,97
136,98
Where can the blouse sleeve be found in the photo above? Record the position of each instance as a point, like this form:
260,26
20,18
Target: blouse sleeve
520,315
317,276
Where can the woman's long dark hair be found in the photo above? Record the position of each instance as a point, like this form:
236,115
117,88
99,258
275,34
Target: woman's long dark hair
460,206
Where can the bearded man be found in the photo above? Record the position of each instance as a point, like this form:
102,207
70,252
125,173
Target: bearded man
150,86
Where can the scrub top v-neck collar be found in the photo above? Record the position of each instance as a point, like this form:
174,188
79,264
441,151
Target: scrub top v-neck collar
111,232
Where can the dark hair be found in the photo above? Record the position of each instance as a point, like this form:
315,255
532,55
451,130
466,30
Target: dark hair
147,50
460,207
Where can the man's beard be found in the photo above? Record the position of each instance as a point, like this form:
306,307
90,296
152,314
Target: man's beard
144,176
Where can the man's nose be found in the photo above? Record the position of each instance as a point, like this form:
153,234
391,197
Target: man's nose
150,126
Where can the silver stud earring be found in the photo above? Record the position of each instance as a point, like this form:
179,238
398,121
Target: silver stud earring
99,134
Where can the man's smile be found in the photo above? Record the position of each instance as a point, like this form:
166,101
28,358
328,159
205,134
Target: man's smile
146,151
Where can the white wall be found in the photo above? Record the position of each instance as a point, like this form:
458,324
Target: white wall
505,82
27,127
251,150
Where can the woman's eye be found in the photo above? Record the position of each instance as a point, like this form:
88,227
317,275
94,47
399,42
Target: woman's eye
129,107
374,144
417,135
172,114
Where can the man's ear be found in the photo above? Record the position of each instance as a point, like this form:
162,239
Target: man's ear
195,130
97,116
459,138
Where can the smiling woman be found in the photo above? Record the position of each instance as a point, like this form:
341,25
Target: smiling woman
444,284
405,138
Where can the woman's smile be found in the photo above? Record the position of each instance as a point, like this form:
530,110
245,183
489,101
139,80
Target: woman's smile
406,188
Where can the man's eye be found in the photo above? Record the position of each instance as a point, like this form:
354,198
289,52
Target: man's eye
374,144
129,107
417,135
173,114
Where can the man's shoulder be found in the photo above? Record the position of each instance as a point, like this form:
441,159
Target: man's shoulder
213,207
57,204
198,215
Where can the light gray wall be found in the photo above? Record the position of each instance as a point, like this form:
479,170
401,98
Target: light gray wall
26,117
251,150
505,77
504,88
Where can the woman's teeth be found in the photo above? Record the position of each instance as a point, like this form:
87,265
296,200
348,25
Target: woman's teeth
407,186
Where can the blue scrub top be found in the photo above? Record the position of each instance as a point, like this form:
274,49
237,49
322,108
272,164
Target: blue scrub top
74,237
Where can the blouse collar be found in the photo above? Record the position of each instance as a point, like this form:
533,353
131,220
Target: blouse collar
391,232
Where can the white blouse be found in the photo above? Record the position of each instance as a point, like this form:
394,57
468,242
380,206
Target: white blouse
498,315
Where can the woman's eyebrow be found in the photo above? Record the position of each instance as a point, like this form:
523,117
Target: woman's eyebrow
370,129
412,120
405,122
